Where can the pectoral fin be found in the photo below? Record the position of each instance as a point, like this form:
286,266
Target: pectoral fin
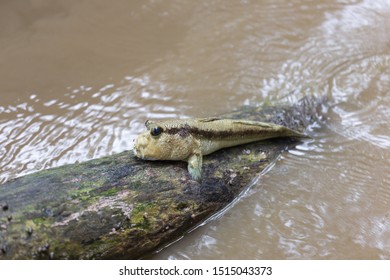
195,166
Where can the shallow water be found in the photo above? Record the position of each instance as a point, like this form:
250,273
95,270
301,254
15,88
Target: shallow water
79,78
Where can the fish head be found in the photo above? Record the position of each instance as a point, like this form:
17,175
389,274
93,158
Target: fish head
160,142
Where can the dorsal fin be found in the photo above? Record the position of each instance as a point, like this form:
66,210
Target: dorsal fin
254,123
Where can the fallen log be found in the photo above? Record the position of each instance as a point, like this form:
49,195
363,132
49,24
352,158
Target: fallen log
121,207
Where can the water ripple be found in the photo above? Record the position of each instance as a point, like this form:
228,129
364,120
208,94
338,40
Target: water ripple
85,124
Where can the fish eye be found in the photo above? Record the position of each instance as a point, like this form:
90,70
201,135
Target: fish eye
156,131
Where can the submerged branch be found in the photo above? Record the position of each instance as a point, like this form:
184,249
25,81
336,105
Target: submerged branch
120,207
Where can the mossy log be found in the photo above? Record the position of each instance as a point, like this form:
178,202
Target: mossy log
121,207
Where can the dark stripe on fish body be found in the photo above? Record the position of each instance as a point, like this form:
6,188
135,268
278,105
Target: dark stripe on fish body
186,130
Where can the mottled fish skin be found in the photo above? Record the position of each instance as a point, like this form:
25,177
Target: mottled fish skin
190,139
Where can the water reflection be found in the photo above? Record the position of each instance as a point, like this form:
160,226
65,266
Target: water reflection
86,124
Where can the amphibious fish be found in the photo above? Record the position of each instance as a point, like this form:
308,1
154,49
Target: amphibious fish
190,139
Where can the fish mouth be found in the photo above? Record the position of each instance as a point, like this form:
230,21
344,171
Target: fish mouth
137,153
141,155
138,148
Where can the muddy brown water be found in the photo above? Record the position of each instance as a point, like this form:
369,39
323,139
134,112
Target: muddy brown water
79,78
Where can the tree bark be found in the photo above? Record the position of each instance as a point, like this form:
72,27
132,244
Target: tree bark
121,207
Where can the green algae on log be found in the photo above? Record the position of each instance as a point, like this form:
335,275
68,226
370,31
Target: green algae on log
121,207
